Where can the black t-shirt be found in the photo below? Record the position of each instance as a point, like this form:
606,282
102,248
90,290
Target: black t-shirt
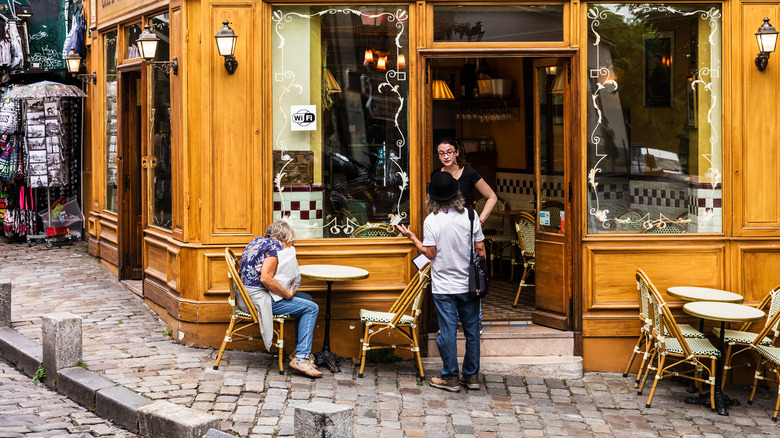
468,179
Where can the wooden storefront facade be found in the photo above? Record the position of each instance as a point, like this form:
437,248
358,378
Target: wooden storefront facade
166,221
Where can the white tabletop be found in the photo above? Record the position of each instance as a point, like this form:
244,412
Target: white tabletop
727,312
332,272
690,293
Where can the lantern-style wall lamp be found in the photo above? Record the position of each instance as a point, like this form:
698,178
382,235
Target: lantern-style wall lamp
147,48
73,62
766,37
226,45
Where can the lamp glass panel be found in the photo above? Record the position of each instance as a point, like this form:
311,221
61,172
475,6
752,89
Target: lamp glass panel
760,42
74,64
132,32
505,23
161,174
341,159
110,117
655,119
226,45
147,49
768,42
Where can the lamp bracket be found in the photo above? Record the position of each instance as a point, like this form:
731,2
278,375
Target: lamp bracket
762,59
231,64
168,67
86,77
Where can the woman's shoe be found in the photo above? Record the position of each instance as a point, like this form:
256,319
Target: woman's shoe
305,367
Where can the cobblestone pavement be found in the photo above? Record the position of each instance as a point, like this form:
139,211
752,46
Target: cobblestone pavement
125,341
28,409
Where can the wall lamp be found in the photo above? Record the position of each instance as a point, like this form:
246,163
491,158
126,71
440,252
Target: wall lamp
226,45
73,62
767,39
147,48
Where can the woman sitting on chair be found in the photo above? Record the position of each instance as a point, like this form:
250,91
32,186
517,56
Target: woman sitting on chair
269,271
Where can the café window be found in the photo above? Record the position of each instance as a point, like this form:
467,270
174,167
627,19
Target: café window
160,118
654,113
110,118
505,23
340,128
132,32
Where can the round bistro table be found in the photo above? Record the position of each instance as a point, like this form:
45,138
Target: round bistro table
723,312
329,274
692,293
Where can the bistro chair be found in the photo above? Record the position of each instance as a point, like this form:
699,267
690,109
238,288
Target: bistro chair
242,321
743,338
668,228
493,228
526,244
769,359
675,351
376,230
400,319
630,220
555,208
646,344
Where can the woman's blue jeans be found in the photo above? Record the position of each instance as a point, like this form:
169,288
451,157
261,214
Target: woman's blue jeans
304,310
449,308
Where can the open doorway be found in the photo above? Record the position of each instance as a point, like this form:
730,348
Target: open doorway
510,114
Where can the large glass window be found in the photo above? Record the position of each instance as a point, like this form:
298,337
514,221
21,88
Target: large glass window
340,141
132,32
110,117
654,118
512,23
160,156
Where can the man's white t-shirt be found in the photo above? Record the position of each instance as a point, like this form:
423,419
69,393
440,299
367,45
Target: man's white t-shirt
449,233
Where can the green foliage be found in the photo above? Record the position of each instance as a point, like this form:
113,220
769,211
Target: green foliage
82,365
121,322
40,374
168,332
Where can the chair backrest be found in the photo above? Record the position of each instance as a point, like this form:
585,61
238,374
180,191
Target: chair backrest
236,285
493,222
630,220
669,228
375,230
525,226
773,317
642,286
763,305
663,316
410,297
555,208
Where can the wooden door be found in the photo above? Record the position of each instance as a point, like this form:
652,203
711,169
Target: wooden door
129,175
552,139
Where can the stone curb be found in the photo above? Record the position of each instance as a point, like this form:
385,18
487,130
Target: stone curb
110,401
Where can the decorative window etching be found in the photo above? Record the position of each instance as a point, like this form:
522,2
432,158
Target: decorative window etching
348,153
657,169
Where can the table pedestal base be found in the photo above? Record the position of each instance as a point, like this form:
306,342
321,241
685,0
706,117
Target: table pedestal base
721,401
328,359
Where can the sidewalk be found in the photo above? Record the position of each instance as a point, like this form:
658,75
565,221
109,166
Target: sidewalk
125,341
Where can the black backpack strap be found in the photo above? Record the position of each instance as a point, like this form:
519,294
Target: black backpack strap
471,234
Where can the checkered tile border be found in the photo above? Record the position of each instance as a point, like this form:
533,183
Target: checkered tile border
660,197
304,210
519,186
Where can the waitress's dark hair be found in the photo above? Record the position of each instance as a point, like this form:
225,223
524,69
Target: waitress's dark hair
461,158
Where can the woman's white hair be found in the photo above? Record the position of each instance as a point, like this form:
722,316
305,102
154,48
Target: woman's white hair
281,231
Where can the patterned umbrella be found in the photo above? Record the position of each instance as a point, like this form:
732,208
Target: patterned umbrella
39,90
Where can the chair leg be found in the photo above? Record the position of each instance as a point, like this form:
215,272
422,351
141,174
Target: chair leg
416,349
711,378
633,355
756,378
280,346
645,357
364,343
726,365
526,271
658,377
224,343
647,372
777,402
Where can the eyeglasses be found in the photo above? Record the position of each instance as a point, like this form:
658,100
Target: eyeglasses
447,153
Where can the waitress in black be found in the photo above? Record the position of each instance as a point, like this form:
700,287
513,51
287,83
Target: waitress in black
453,157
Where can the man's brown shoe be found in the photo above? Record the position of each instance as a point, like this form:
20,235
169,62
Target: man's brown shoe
305,367
470,382
310,360
451,385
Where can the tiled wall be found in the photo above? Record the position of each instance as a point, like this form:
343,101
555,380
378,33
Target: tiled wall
303,204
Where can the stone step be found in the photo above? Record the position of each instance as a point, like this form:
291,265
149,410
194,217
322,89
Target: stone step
557,367
515,341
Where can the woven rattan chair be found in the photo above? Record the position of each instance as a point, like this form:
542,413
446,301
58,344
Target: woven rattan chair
694,355
495,241
769,359
630,220
645,343
555,208
526,245
376,230
669,228
241,322
742,338
401,320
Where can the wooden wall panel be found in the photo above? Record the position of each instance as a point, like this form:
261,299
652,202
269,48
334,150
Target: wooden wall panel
232,165
156,258
610,270
178,152
756,269
551,268
756,155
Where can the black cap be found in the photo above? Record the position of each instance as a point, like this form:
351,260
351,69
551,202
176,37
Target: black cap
443,186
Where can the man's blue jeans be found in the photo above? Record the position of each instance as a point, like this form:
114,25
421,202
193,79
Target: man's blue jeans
448,309
304,310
